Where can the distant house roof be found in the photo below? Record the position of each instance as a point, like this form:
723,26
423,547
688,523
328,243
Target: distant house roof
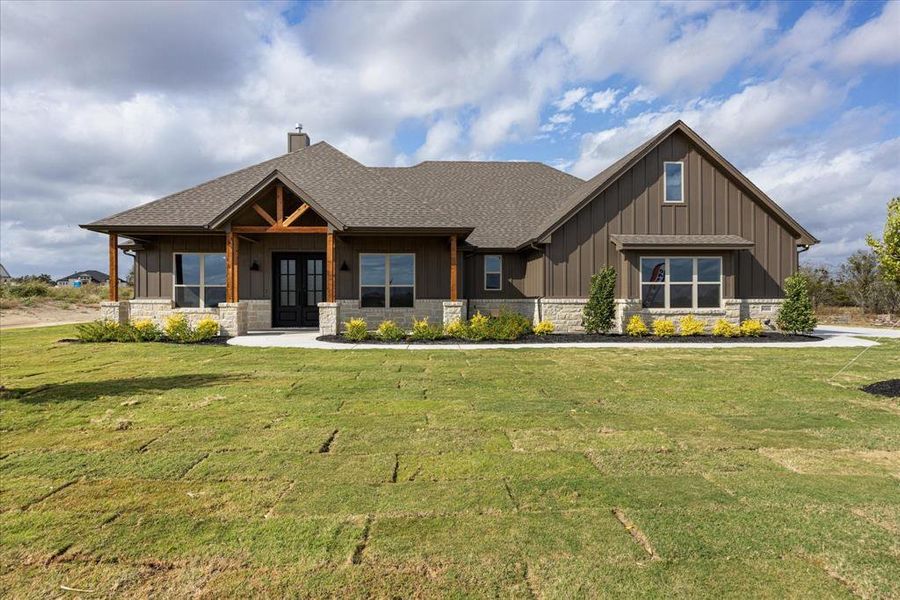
4,274
96,276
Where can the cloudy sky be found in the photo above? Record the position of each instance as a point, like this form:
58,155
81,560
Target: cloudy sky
107,105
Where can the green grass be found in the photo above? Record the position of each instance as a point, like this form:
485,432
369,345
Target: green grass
210,471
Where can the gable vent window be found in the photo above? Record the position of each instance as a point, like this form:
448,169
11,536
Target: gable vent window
493,272
674,182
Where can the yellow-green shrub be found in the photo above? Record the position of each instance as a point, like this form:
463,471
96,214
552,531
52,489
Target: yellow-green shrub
423,330
98,331
752,328
479,327
636,326
390,331
723,328
544,328
663,327
177,328
356,330
146,330
691,325
455,329
207,328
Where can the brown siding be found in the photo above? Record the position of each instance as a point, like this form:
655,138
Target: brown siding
714,204
520,276
153,264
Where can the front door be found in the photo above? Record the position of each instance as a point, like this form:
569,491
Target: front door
298,285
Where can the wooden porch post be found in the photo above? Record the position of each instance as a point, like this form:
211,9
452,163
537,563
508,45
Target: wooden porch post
229,267
453,291
235,261
113,267
329,268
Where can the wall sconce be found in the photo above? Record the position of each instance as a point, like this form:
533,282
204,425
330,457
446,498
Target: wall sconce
344,266
254,266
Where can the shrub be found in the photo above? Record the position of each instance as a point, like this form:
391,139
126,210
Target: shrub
723,328
177,328
796,313
479,327
206,329
544,328
600,310
691,325
455,329
636,326
508,326
356,330
423,330
390,331
752,328
29,289
98,331
663,327
146,330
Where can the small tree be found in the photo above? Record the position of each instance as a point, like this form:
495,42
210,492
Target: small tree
600,310
796,314
888,248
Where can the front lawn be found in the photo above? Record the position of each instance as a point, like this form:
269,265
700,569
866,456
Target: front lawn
130,470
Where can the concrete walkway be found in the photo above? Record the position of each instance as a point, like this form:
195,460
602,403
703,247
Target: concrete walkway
835,337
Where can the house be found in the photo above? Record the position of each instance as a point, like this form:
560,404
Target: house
4,274
312,238
82,278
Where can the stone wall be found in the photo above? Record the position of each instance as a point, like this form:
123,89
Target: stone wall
527,307
454,311
734,310
231,316
564,313
259,314
329,318
433,309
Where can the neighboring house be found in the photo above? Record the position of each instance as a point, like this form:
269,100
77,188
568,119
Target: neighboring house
4,274
312,238
83,278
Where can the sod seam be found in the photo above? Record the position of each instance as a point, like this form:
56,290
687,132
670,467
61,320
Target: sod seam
639,537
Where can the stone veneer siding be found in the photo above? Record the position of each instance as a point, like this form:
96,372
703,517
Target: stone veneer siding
231,316
432,309
259,314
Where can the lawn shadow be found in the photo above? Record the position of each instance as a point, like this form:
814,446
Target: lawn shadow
126,386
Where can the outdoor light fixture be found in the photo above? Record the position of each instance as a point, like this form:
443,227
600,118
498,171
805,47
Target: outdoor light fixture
254,266
344,266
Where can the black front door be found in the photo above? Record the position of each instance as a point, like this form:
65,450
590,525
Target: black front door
298,285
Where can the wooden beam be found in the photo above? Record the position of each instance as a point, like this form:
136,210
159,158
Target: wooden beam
235,262
277,229
113,267
247,239
329,268
453,258
262,212
279,203
296,214
229,269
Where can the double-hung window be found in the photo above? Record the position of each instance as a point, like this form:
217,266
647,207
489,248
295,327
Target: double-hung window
387,280
493,272
673,182
199,280
681,282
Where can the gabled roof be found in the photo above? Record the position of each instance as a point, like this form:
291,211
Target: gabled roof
95,275
3,271
594,186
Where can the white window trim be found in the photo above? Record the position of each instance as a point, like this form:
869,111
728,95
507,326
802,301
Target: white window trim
665,183
694,281
202,284
387,277
486,272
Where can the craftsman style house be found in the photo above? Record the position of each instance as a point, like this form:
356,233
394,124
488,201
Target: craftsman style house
312,238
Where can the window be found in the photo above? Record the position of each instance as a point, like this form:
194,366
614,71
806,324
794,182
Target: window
493,272
199,280
681,282
387,280
674,182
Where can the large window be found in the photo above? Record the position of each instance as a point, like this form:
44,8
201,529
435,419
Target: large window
674,182
199,280
681,282
387,280
493,272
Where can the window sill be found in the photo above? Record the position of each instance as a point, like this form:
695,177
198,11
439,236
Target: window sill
682,203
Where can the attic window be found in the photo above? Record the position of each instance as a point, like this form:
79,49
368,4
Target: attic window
673,182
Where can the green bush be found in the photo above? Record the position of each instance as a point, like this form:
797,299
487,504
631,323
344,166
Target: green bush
98,331
752,328
479,327
796,314
390,331
28,289
508,326
146,331
723,328
544,328
177,328
356,330
455,329
691,325
663,327
423,330
600,310
636,326
206,329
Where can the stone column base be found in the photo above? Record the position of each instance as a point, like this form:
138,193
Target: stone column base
117,312
329,318
232,318
454,311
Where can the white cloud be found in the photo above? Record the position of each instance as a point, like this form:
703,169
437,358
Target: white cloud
876,42
571,98
638,95
600,101
442,142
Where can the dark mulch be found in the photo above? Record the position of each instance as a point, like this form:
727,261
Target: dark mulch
216,341
575,338
888,387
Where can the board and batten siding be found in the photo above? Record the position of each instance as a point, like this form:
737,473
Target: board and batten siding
522,276
714,203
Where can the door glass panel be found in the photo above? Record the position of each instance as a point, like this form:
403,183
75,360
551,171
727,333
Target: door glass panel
680,296
214,269
681,269
402,269
709,269
653,296
187,269
372,269
708,296
653,269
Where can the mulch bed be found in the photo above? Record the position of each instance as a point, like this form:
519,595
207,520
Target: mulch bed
576,338
889,388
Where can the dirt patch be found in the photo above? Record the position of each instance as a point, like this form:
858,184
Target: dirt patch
889,388
584,338
47,315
